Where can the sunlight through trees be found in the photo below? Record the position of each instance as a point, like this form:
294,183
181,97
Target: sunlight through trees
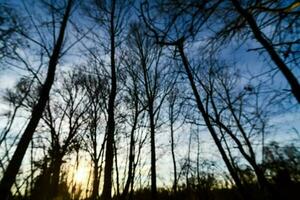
149,99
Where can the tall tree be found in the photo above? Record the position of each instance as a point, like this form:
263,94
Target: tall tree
268,46
208,121
174,111
66,106
15,163
175,33
110,15
225,101
133,99
95,85
155,85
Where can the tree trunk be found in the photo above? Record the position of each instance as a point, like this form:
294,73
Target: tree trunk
131,157
172,150
208,123
262,39
54,187
151,114
95,192
188,165
110,130
263,183
117,169
153,156
37,111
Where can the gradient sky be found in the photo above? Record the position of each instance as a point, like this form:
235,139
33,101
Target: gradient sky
283,123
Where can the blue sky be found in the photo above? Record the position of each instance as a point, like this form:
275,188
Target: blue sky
282,122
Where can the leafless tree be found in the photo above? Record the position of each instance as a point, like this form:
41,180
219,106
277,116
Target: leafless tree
257,24
133,100
156,86
110,15
228,109
178,41
95,85
174,112
66,108
15,163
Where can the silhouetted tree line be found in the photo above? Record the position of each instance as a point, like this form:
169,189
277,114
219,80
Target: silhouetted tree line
116,84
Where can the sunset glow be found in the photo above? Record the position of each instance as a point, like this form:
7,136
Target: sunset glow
81,175
149,99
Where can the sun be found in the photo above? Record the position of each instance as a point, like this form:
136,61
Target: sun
81,175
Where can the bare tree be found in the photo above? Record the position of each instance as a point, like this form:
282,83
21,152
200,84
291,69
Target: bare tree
155,85
239,124
266,42
174,112
110,15
208,122
67,106
178,41
133,99
97,92
15,163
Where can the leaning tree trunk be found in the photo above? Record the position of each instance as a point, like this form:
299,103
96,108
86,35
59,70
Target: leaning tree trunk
205,116
262,39
262,180
37,111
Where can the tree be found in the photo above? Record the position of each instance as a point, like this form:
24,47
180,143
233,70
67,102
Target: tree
174,111
96,89
66,106
168,36
111,15
282,166
15,163
268,46
239,125
9,25
133,100
280,160
155,85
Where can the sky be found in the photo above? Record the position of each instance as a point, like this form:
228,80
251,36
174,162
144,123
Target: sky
283,124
